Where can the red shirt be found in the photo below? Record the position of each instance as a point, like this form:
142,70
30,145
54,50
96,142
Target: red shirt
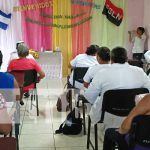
24,64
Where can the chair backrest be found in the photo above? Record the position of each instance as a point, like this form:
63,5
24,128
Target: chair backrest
8,143
78,74
19,76
30,77
120,102
140,132
136,63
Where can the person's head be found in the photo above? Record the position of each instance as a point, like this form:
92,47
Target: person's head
118,55
1,58
103,55
92,50
140,31
22,50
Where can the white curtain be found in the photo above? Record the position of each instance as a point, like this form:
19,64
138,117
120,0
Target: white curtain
9,37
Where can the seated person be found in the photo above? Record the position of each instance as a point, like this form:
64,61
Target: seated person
8,84
5,120
118,135
120,75
14,55
103,58
84,60
23,63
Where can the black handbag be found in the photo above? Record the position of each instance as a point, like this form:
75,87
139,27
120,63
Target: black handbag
72,125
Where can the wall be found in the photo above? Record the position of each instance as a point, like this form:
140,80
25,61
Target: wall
147,22
135,13
138,15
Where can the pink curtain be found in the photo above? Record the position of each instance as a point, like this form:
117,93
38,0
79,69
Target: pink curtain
81,33
37,36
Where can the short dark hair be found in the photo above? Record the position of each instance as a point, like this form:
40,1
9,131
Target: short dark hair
119,55
104,53
141,29
91,50
1,58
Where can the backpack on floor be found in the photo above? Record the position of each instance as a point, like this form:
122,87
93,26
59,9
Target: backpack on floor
72,125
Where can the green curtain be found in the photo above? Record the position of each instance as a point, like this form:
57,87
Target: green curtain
105,33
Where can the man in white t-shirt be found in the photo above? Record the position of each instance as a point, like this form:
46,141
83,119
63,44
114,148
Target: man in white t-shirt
84,60
138,38
103,58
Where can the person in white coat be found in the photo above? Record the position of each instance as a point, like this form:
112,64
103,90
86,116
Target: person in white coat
103,58
120,75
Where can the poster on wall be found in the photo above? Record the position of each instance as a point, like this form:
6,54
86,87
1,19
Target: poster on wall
113,13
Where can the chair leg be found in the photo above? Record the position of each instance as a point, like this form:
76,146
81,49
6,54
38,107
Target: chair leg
84,124
78,101
37,103
17,124
10,134
96,137
31,99
89,131
70,99
17,134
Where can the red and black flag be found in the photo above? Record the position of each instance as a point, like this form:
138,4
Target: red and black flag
113,13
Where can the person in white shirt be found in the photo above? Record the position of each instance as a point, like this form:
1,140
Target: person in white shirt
138,38
120,75
14,55
103,58
84,60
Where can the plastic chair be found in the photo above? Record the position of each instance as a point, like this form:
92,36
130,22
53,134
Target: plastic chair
78,75
118,102
30,77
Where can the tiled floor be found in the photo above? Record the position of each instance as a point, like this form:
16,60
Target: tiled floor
38,133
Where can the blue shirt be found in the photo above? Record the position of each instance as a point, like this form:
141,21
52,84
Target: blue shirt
7,86
6,81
